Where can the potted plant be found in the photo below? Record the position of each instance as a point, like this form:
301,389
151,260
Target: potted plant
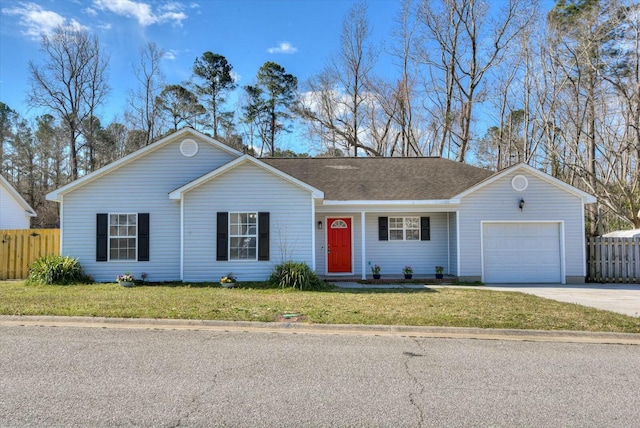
125,280
228,281
407,271
439,272
375,270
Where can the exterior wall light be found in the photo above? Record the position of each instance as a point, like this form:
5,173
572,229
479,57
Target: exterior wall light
521,204
320,224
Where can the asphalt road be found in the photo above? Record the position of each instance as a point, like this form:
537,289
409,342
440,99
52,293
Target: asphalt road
68,376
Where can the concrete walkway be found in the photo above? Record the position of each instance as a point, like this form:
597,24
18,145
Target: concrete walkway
620,298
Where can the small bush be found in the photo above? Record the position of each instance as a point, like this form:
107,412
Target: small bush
296,275
56,270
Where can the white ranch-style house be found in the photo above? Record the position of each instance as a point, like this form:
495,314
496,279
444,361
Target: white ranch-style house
191,208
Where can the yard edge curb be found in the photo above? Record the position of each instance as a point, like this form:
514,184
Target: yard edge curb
337,329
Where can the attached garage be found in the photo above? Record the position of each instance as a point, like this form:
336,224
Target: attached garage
522,252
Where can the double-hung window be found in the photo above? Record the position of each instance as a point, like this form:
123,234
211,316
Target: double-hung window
404,228
123,233
243,236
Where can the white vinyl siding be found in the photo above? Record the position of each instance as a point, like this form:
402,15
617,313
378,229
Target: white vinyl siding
498,202
247,188
422,256
12,213
141,186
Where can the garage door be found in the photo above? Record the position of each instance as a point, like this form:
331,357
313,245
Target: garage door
521,252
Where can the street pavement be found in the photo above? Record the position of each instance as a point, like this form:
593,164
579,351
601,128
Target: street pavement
164,377
620,298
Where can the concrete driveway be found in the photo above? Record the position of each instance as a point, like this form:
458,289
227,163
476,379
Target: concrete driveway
621,298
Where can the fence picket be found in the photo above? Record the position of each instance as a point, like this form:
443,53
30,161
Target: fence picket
20,247
613,260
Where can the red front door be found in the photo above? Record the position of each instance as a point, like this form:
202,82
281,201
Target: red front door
339,245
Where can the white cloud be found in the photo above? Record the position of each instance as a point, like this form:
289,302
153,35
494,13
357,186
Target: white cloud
170,55
38,21
283,48
142,12
235,76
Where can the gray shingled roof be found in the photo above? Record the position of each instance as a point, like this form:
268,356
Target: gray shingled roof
380,178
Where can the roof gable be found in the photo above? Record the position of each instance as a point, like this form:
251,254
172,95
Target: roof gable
383,179
178,193
186,132
19,199
586,197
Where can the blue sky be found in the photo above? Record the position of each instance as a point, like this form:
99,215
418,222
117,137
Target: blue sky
299,35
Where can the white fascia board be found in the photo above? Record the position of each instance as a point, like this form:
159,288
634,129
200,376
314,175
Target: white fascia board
30,212
56,194
393,202
586,197
179,192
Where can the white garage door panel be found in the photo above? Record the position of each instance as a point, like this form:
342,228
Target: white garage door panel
521,252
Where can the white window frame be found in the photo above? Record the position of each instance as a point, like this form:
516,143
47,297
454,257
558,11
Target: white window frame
404,228
246,235
110,236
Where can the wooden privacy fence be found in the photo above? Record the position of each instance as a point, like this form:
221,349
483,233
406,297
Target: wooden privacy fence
20,247
613,260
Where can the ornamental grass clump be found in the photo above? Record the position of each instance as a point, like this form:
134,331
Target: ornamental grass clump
56,270
296,275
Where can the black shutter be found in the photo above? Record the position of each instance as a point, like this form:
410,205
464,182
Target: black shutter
102,235
425,229
383,228
263,236
143,237
222,240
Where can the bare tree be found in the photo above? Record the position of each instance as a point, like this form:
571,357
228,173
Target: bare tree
461,44
142,100
344,85
71,82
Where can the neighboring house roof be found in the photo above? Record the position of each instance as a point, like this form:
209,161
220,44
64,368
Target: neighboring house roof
177,194
184,132
380,179
14,193
586,197
632,233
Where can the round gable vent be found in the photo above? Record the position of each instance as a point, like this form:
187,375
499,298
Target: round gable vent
188,147
519,183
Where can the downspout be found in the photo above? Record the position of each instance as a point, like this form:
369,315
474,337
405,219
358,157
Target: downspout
458,246
448,243
61,225
182,238
313,234
363,242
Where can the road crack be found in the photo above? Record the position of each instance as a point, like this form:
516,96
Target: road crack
419,387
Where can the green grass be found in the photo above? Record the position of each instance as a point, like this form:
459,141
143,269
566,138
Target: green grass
435,307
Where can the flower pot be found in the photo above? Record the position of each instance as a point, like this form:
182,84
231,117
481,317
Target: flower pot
376,276
126,283
408,275
225,284
439,275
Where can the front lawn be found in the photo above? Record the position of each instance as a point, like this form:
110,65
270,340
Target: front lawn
432,307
